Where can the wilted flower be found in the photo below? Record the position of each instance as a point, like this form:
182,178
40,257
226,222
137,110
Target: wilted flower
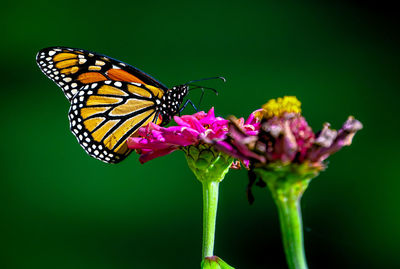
286,154
285,137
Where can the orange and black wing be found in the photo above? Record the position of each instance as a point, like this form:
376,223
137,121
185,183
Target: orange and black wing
71,69
104,114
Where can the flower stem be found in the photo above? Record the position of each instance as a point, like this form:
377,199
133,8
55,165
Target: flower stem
287,184
292,232
210,204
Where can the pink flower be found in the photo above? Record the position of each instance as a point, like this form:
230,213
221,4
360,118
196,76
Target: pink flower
284,136
284,143
156,141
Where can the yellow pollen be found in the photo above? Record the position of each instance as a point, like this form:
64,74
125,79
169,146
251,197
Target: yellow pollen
280,106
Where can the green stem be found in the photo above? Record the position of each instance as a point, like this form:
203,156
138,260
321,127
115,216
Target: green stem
287,184
292,232
210,204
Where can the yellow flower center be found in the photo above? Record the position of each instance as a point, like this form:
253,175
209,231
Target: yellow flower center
280,106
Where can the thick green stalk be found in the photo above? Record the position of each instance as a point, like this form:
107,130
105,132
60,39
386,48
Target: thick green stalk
292,231
210,167
210,204
287,184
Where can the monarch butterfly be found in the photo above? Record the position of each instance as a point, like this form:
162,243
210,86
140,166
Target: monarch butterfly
109,100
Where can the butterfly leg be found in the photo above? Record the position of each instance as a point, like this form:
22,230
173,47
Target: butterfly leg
201,97
186,103
156,117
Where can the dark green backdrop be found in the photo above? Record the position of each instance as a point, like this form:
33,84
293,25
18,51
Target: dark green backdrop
63,209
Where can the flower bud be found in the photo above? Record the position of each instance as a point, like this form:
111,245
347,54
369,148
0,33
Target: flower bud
214,262
207,163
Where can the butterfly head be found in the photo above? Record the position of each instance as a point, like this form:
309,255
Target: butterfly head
171,102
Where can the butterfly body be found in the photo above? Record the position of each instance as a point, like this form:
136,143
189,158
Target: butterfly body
109,100
171,101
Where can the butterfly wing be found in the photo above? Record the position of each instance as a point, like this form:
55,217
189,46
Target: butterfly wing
109,99
71,69
104,114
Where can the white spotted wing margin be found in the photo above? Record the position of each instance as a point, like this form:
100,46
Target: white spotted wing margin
72,68
105,114
68,83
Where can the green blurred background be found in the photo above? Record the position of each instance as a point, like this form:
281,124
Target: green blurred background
62,209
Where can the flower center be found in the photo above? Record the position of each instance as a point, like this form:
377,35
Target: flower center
280,106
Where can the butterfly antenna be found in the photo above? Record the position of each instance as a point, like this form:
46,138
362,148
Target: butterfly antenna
221,78
202,88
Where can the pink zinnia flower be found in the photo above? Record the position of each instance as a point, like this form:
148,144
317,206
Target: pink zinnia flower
195,135
155,141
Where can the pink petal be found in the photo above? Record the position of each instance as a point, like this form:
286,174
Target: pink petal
154,154
181,122
141,143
